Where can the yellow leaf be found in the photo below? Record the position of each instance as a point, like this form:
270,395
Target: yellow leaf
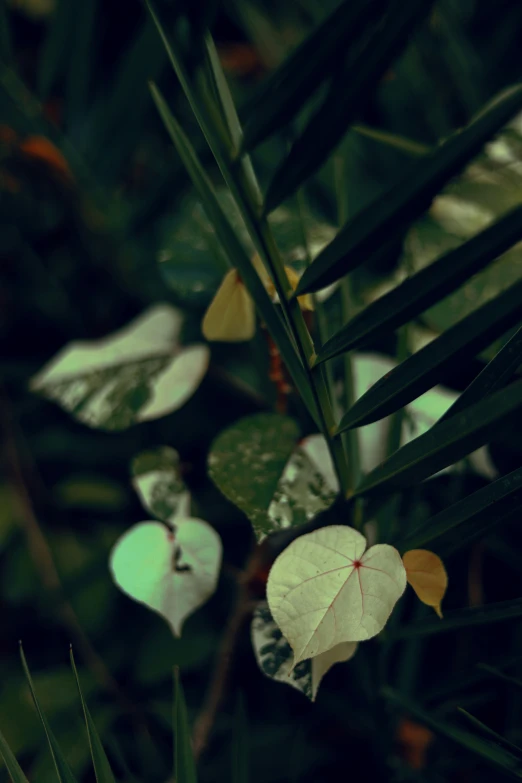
231,315
426,574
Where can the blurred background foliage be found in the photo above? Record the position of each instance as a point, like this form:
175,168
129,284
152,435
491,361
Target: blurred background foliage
97,222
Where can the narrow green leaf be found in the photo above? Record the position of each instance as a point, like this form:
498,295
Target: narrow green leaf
57,47
393,212
425,368
491,502
400,143
446,443
5,34
240,772
184,764
349,92
237,255
494,375
102,768
427,287
14,769
287,89
63,770
492,735
500,675
498,757
462,618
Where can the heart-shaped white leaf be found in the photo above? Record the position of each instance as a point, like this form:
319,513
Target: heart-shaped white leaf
274,656
171,572
324,589
137,374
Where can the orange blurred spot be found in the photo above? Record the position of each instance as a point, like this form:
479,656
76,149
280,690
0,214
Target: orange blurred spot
414,740
7,135
240,59
41,149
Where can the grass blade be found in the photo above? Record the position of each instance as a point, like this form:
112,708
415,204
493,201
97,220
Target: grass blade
349,92
393,212
12,766
102,768
462,618
184,764
79,71
494,375
427,287
491,734
493,501
424,369
63,770
287,89
497,756
500,675
446,443
236,253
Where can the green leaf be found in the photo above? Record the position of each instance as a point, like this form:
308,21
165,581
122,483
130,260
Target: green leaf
14,770
102,768
500,675
393,212
285,91
184,764
494,374
494,501
138,374
63,770
237,255
445,443
424,369
462,618
158,482
347,96
246,462
498,757
428,286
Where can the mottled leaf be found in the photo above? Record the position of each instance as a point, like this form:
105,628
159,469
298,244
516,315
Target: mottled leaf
247,460
158,482
139,373
274,656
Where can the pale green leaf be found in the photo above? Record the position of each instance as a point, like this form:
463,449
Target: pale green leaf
138,374
158,482
274,656
247,460
325,589
172,572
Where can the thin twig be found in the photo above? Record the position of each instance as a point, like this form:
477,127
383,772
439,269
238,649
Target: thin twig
244,605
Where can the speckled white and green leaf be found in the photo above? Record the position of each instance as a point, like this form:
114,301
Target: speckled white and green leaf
325,589
137,374
488,188
274,656
158,482
173,572
246,462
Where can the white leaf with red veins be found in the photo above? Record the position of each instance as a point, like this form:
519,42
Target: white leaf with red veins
325,589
